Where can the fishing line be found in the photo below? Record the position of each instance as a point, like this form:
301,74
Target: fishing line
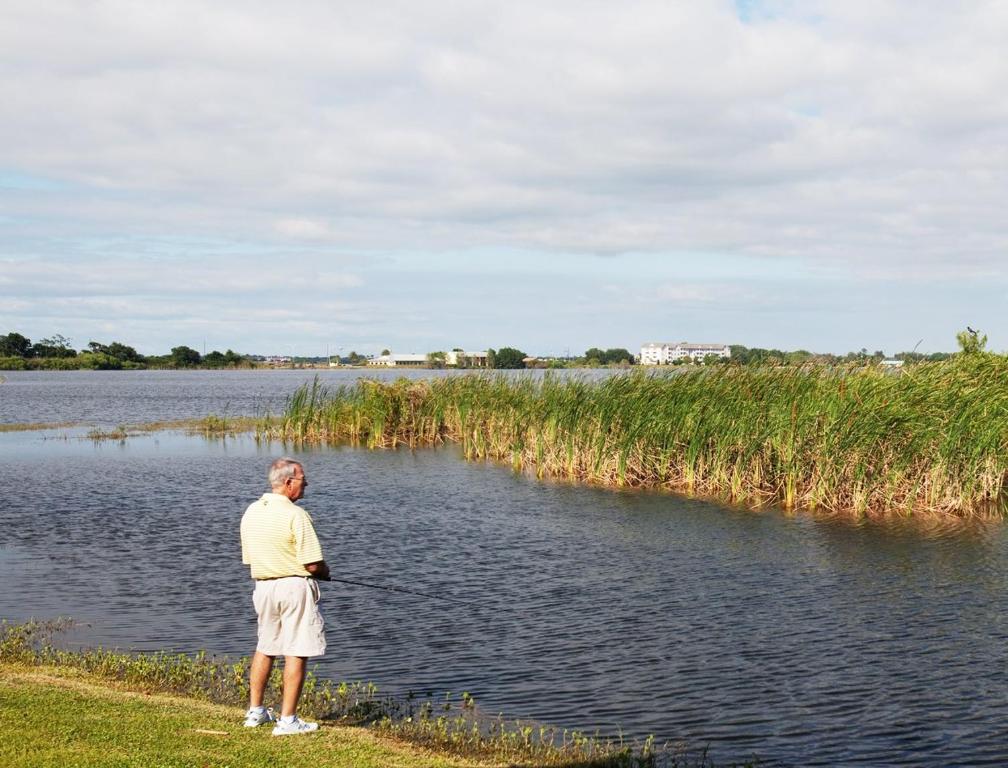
398,589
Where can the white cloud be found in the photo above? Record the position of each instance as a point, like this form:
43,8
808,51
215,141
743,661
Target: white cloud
303,228
136,278
842,134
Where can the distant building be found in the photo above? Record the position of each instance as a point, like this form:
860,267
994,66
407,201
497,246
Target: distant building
460,357
654,353
278,360
399,361
665,353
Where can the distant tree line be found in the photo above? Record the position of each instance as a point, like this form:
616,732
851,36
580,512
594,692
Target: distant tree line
17,352
758,356
505,357
513,358
616,356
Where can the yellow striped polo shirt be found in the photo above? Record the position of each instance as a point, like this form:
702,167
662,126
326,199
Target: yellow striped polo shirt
278,538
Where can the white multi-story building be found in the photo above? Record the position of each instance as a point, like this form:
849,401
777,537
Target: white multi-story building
654,353
664,353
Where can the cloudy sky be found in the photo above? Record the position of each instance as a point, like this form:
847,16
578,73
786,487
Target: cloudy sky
552,175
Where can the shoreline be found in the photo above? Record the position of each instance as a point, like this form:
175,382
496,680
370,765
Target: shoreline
453,730
284,429
860,441
61,717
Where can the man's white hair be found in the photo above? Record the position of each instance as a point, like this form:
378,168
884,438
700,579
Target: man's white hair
281,469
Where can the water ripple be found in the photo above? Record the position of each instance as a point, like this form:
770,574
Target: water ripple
803,640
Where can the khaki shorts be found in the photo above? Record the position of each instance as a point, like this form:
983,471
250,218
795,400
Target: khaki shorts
289,620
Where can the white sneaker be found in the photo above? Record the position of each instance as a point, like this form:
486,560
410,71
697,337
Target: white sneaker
257,716
291,727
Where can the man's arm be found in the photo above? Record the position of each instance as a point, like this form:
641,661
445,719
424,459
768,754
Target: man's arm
319,570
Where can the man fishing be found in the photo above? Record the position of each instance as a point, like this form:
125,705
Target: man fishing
279,544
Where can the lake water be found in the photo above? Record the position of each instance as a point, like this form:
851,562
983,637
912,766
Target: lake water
109,398
803,640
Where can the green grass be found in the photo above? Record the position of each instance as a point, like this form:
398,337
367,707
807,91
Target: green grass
55,717
447,727
930,438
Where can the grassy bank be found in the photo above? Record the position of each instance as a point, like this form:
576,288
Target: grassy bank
83,707
58,717
932,437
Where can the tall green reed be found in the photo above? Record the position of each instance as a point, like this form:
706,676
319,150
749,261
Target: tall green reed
932,437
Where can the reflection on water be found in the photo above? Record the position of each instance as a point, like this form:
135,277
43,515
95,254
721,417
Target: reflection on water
806,641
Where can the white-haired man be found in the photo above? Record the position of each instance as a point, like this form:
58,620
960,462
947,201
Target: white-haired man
279,544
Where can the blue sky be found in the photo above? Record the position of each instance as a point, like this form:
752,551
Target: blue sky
550,175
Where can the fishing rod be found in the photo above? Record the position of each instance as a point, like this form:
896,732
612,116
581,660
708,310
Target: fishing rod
397,589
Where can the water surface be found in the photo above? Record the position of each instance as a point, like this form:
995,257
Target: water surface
109,398
804,640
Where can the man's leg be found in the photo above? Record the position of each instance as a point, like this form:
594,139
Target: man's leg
259,672
295,668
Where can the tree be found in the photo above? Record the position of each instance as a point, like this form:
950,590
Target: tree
386,352
798,357
15,345
98,361
971,342
759,356
491,359
124,352
509,357
436,359
184,357
55,346
119,351
740,354
618,355
594,355
214,360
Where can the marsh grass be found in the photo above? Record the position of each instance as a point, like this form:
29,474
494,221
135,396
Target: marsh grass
212,425
929,438
33,426
448,725
118,434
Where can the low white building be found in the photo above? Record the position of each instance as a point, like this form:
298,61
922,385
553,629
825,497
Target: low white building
461,357
278,359
665,353
399,361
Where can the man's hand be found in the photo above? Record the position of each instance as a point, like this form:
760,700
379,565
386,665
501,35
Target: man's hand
318,570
